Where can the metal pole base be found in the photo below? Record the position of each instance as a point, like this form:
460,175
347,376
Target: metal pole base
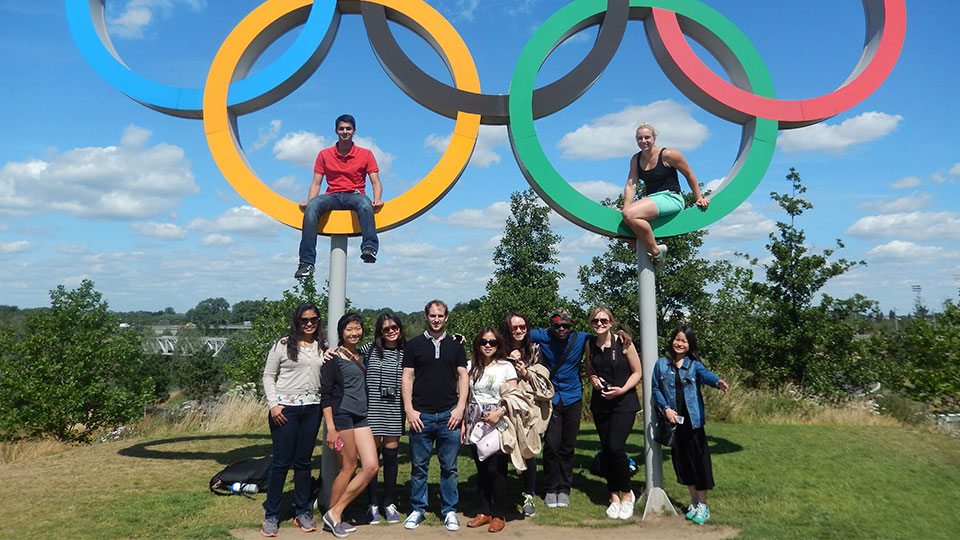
657,501
336,305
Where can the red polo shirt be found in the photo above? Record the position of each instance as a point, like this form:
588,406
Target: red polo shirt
345,172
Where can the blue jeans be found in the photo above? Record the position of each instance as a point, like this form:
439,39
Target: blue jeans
324,203
292,445
421,448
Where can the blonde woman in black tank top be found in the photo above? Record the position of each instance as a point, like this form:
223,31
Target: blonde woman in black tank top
657,167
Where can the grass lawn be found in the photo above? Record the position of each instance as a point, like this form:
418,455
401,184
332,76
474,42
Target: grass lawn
773,481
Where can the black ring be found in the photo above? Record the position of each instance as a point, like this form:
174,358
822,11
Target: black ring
492,108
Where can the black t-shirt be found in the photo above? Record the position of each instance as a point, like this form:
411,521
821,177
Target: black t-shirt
435,372
611,365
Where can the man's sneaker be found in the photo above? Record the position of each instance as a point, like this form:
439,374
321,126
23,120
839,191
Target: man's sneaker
692,509
368,255
413,520
563,500
336,527
529,508
304,270
305,522
390,512
613,511
703,514
451,522
550,499
270,527
373,514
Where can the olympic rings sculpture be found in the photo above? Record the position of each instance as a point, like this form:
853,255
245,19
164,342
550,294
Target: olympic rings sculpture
748,99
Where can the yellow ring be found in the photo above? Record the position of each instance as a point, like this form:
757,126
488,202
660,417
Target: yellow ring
218,122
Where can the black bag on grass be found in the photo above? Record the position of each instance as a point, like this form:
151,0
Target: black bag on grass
252,471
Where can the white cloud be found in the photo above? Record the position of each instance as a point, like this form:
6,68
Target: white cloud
216,239
898,251
612,135
904,183
129,181
139,13
289,187
835,138
488,138
713,184
914,201
71,249
597,190
14,247
159,231
919,226
265,135
587,242
955,170
491,217
744,223
301,149
240,220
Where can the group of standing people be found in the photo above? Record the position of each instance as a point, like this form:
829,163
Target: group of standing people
521,387
520,394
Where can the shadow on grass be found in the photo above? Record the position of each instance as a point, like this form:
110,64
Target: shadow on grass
148,450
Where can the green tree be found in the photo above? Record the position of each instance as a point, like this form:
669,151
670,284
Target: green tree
72,372
245,310
195,369
525,279
249,350
779,334
210,313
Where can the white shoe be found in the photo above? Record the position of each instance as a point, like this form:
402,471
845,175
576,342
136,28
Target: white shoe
613,511
413,520
626,507
451,522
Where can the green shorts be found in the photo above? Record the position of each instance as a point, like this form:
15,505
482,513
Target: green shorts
668,203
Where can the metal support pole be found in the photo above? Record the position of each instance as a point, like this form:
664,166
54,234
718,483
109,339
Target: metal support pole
336,305
656,497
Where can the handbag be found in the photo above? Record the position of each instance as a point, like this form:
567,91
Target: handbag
664,432
486,438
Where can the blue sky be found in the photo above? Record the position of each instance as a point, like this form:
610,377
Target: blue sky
95,185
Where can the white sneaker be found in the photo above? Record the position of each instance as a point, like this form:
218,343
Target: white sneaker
413,520
451,522
613,511
626,509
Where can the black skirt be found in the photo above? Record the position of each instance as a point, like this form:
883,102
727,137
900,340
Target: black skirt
691,458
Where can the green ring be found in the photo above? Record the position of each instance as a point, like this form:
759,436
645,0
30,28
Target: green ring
756,149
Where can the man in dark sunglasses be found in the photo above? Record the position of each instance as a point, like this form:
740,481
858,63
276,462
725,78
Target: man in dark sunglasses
561,350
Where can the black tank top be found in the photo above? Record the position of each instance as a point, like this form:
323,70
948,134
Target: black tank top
611,365
659,178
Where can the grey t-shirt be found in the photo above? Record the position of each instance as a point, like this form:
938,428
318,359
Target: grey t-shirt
354,388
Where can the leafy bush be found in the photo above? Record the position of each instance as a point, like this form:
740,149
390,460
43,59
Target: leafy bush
73,371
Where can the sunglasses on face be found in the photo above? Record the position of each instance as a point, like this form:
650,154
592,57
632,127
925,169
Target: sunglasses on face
489,343
390,329
518,327
600,321
562,326
309,320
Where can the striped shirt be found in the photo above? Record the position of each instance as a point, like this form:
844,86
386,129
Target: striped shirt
385,413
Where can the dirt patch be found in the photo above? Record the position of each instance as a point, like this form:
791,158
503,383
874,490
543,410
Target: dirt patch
655,528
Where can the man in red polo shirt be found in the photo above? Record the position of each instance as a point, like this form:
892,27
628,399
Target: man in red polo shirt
346,167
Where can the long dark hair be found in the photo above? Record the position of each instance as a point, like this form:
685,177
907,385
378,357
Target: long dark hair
526,351
344,321
378,338
293,337
476,367
693,352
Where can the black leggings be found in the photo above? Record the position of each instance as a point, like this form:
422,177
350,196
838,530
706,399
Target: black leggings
613,429
389,467
492,483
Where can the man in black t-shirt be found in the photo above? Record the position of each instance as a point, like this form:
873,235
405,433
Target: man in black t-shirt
434,391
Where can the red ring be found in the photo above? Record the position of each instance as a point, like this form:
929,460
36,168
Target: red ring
791,113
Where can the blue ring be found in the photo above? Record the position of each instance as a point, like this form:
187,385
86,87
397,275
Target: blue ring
87,24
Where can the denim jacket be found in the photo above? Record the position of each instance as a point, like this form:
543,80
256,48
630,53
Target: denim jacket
692,374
